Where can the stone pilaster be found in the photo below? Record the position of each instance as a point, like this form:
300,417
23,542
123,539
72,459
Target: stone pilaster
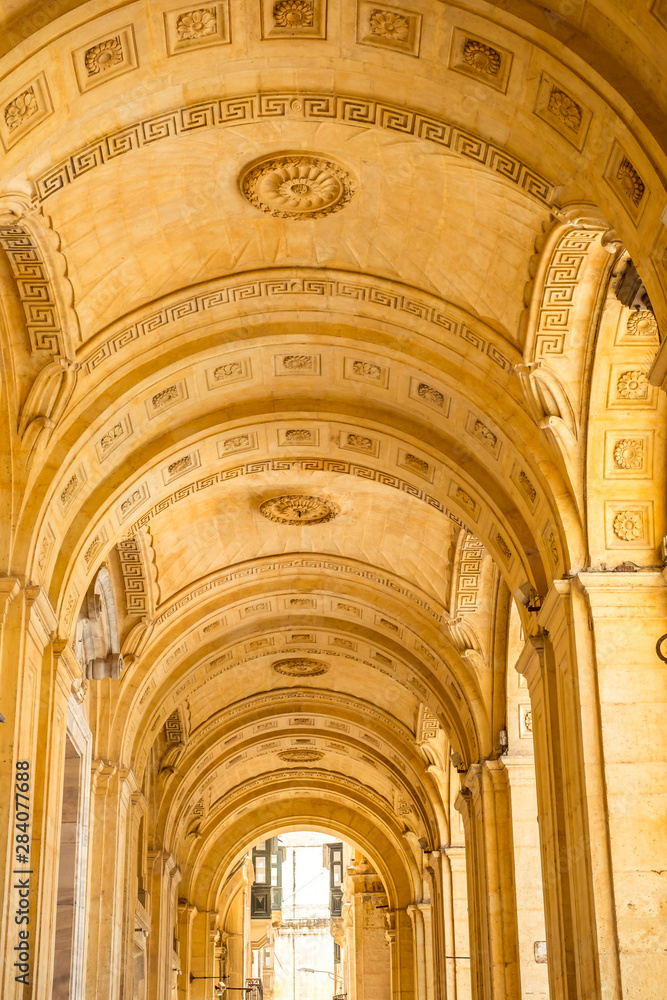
559,665
111,802
484,803
368,902
457,937
629,835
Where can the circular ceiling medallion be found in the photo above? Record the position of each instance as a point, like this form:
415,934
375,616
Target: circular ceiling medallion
300,667
297,186
299,509
300,756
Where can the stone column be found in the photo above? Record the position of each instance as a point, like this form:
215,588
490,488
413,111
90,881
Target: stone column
186,918
39,708
484,803
202,954
422,972
438,918
558,663
528,873
349,969
399,935
458,942
111,803
629,615
136,958
368,900
164,878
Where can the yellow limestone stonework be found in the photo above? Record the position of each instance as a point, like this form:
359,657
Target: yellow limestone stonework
333,490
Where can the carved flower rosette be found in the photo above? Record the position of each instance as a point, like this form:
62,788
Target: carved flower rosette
297,186
300,666
299,509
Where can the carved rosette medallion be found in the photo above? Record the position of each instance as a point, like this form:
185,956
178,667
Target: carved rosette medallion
297,186
299,509
300,666
629,453
628,525
300,756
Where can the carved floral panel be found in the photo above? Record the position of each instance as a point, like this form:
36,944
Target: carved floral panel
293,18
104,58
197,26
389,27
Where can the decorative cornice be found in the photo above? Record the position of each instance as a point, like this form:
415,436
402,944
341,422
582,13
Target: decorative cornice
313,465
314,107
437,318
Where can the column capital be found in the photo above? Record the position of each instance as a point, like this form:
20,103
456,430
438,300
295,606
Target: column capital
531,658
102,774
39,615
9,588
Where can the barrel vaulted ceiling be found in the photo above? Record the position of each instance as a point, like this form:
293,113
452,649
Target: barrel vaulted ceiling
352,254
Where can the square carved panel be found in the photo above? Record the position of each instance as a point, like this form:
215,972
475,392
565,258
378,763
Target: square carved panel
628,454
628,525
197,27
224,373
480,59
465,501
564,112
389,27
23,109
363,370
629,388
294,18
106,57
624,178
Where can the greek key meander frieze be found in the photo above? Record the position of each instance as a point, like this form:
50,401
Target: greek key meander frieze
259,571
470,571
313,695
225,113
560,287
134,580
311,464
34,288
358,289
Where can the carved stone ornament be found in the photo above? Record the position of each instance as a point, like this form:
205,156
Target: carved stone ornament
482,58
294,13
104,56
642,323
628,525
629,453
389,25
359,441
633,385
300,756
299,509
21,108
630,181
300,667
565,109
196,24
297,186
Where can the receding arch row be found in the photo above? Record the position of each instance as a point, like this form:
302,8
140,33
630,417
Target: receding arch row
101,512
303,798
460,712
168,662
383,760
